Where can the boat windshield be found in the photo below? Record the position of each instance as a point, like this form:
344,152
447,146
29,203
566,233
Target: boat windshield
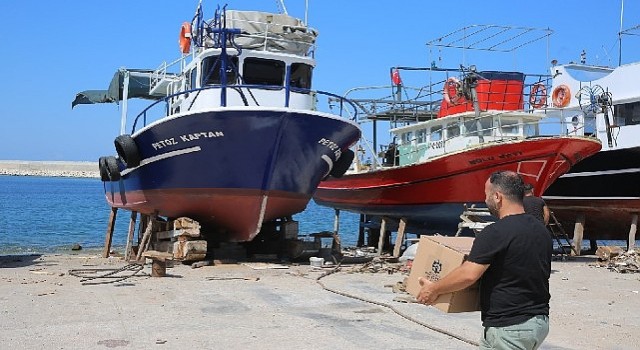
211,70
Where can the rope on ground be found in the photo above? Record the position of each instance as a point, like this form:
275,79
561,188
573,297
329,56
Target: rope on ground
90,275
390,307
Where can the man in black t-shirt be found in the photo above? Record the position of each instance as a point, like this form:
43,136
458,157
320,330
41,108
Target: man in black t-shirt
535,205
513,258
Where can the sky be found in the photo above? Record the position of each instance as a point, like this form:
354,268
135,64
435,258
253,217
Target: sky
55,49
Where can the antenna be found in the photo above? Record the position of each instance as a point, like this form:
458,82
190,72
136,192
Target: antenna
281,7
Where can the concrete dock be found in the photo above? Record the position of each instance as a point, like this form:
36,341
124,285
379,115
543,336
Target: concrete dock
273,306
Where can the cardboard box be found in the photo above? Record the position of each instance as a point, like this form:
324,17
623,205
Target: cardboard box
435,258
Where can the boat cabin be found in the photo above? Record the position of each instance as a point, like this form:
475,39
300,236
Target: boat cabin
420,142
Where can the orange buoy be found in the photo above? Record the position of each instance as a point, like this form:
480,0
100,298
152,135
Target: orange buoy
538,95
185,37
561,96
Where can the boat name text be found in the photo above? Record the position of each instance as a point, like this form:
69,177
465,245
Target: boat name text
491,158
172,141
332,146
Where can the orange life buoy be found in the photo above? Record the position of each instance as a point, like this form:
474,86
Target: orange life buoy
561,96
538,95
184,40
451,84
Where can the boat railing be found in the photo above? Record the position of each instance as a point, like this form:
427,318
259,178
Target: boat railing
345,107
160,78
268,32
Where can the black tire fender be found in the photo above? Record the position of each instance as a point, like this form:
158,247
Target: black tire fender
102,166
111,166
127,150
342,164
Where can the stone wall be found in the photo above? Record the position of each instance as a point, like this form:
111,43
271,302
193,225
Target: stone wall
49,168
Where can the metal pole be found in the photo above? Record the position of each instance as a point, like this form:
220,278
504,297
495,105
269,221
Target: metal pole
125,97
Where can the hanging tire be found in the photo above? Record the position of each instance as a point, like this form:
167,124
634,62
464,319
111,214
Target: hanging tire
342,164
111,166
127,150
102,166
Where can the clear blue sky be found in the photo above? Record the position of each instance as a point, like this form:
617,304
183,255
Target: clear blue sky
54,49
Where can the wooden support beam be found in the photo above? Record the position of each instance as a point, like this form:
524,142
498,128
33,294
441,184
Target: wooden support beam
631,242
336,222
578,233
383,233
132,229
146,237
399,238
360,242
109,235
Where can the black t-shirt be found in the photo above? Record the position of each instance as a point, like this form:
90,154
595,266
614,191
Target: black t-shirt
515,287
534,206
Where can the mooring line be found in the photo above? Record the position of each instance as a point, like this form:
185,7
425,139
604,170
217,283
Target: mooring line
390,307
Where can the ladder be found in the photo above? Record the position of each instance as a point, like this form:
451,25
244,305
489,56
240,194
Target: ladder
560,236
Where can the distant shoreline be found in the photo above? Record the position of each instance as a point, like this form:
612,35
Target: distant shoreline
49,168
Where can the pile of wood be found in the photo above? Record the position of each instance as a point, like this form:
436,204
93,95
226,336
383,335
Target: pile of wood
181,238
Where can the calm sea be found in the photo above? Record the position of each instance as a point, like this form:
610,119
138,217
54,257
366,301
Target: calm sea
50,214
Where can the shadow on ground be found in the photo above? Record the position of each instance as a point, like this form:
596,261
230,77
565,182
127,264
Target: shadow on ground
13,261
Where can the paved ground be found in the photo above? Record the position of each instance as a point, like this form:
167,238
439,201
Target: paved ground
42,306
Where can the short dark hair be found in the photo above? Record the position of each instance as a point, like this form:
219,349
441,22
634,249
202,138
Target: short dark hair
509,183
528,187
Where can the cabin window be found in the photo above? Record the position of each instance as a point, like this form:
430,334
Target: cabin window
211,70
421,135
193,79
483,124
453,130
629,113
509,127
436,133
260,71
407,137
300,75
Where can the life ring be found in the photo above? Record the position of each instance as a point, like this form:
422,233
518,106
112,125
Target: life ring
451,99
342,164
184,40
538,95
127,150
561,96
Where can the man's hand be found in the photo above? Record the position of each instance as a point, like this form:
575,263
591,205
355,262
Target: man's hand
427,294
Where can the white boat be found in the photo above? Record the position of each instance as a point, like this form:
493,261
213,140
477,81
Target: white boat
603,191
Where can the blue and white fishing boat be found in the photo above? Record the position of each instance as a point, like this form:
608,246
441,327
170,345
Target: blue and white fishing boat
233,137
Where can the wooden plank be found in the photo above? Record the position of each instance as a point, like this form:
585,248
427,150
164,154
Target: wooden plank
132,230
146,238
578,233
381,239
109,235
631,242
178,232
399,238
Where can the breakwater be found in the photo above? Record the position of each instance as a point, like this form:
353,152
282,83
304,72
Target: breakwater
49,168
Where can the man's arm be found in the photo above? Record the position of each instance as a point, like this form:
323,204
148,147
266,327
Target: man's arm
461,277
545,214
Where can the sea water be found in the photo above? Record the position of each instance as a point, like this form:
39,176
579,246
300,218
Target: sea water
51,214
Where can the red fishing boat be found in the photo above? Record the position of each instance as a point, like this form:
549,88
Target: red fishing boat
444,150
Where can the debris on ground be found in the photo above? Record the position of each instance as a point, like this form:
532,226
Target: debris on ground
621,261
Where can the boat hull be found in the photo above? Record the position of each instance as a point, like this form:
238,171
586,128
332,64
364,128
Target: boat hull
432,194
232,168
605,188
